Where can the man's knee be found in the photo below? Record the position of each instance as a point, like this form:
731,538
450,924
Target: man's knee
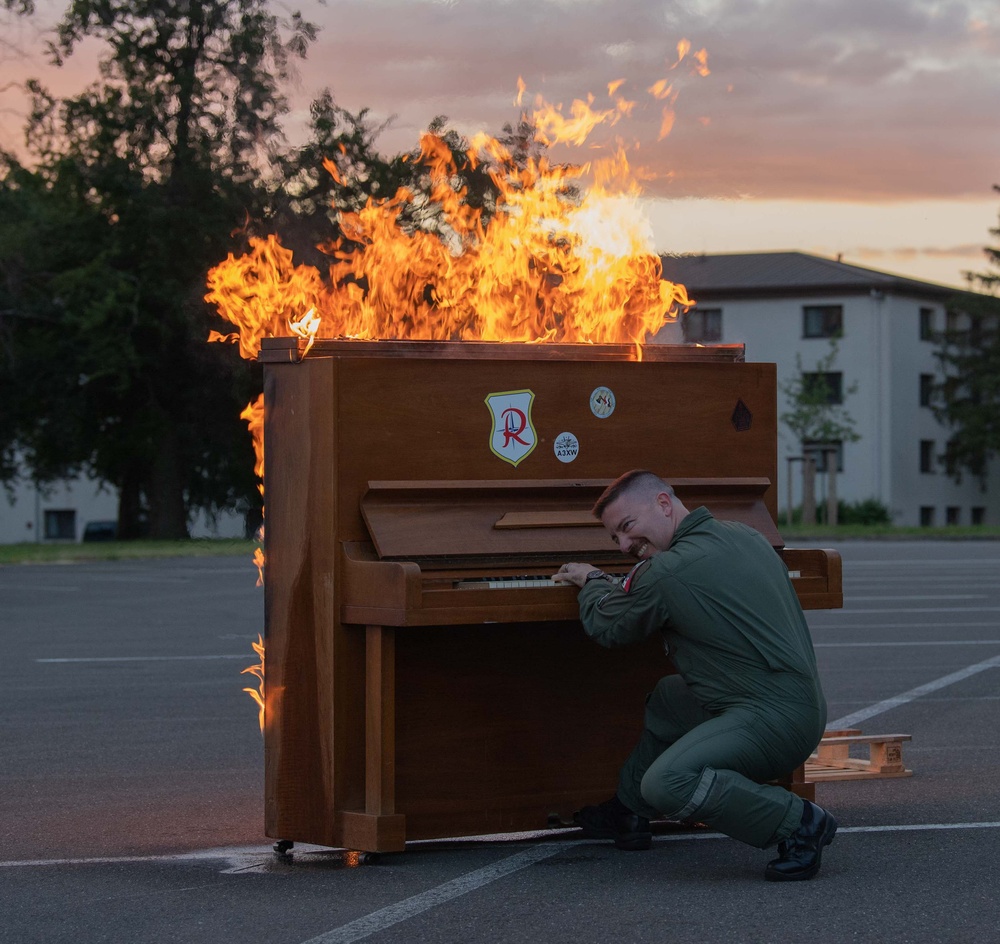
676,794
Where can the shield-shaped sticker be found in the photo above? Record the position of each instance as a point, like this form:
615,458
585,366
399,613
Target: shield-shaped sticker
512,436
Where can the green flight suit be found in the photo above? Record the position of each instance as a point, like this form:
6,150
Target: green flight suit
746,706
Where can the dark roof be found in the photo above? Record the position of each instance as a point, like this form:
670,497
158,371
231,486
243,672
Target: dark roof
760,274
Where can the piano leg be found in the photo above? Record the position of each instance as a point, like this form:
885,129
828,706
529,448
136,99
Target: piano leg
379,828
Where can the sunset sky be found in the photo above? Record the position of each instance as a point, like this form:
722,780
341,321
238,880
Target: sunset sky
867,128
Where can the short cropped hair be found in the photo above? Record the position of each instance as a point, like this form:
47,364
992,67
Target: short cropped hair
638,480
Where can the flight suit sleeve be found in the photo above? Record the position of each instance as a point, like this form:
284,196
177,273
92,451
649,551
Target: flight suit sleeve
617,614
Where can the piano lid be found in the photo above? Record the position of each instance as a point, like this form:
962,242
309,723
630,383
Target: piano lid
539,519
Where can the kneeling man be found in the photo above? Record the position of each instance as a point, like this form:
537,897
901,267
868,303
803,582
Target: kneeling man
746,705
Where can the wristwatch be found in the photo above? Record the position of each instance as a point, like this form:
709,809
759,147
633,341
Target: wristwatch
595,575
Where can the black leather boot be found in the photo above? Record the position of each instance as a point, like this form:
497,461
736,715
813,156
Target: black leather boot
612,819
799,855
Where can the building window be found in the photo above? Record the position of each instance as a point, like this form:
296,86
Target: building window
977,514
926,389
926,516
822,321
926,324
821,451
825,385
953,515
702,324
926,455
954,321
60,525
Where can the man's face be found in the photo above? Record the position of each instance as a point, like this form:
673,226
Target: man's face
640,524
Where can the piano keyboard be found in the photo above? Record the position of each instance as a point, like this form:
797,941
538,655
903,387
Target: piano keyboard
507,583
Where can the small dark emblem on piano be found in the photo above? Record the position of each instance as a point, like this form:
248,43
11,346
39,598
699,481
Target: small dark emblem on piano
602,402
742,417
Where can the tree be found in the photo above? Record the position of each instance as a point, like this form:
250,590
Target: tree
967,399
136,186
818,418
817,413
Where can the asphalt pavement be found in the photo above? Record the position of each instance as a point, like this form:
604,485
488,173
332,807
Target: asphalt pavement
131,784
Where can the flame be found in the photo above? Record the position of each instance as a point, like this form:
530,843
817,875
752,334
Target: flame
306,328
257,694
566,256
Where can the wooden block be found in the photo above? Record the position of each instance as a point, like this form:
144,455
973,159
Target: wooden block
832,760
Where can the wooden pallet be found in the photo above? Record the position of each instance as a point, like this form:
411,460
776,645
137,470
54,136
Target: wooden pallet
832,760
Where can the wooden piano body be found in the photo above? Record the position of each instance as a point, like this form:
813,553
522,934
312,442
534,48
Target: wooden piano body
405,698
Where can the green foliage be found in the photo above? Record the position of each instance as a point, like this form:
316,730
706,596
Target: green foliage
869,511
135,191
967,399
812,416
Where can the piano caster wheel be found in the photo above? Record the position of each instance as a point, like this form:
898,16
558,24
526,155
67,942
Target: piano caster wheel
282,846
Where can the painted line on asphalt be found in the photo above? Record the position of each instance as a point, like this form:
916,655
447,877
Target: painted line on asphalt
908,625
260,855
246,655
232,853
921,596
818,645
914,562
943,642
922,609
409,907
849,721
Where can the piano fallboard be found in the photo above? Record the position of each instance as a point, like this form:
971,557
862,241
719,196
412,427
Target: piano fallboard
403,593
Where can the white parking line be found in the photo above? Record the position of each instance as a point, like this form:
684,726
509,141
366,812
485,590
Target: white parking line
922,609
851,624
408,907
239,858
849,721
146,658
921,596
937,642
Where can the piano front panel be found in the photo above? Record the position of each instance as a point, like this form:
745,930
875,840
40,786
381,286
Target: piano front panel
422,420
547,718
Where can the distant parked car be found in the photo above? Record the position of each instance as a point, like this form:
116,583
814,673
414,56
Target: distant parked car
100,531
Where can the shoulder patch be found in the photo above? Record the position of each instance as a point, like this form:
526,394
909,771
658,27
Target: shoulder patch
633,573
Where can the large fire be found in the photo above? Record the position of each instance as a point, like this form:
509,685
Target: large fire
566,255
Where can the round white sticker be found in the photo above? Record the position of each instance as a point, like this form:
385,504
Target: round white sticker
566,447
602,402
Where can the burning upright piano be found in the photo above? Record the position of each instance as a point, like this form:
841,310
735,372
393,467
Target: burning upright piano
424,678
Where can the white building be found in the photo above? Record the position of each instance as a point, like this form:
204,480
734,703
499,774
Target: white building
56,514
789,305
62,512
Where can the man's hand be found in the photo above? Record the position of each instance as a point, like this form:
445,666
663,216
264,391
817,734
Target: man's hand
573,573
